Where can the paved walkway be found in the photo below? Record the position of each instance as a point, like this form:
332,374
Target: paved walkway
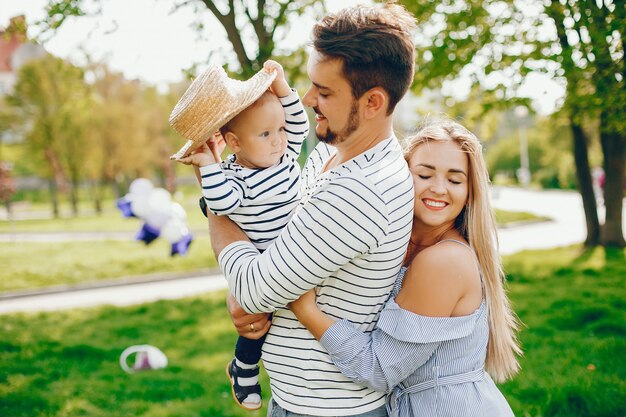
112,293
566,227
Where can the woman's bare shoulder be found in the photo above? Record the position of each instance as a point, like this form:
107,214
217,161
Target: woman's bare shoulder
437,278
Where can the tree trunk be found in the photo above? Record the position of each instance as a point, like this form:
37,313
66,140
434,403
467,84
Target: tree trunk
74,198
614,150
234,35
7,205
585,184
57,170
118,188
97,199
168,170
54,197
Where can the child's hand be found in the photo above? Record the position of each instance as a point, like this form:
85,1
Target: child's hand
217,144
279,86
201,157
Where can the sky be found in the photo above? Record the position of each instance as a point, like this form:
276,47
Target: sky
145,40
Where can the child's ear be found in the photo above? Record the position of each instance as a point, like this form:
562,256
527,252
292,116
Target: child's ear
232,141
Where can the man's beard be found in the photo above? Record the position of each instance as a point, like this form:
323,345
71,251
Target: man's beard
333,138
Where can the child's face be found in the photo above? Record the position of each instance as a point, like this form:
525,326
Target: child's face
261,136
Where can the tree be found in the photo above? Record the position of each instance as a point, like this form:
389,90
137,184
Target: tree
123,148
258,22
497,44
7,186
51,101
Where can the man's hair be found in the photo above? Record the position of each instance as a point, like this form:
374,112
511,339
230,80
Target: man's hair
375,45
265,97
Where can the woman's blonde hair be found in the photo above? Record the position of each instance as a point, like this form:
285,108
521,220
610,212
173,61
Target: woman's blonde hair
477,224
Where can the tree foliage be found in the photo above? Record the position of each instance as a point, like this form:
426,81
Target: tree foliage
131,131
497,44
52,103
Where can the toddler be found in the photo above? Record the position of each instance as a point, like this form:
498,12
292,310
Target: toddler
258,187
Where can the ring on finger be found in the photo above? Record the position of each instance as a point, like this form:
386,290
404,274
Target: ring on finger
252,327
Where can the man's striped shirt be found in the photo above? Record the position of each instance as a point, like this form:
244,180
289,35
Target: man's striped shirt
348,238
260,200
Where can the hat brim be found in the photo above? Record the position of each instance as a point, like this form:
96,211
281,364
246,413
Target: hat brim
212,100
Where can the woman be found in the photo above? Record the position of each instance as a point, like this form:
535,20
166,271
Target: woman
448,319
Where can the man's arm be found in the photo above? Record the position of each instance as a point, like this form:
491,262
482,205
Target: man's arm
344,220
223,232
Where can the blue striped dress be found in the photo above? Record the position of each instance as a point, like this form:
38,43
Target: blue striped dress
429,366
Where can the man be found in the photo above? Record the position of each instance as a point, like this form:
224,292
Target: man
349,234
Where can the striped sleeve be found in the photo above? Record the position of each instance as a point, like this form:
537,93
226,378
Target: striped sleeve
377,360
222,195
297,122
401,342
343,220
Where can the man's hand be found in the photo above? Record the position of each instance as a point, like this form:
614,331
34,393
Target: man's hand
250,326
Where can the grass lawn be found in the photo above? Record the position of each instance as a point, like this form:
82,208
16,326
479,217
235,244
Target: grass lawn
87,221
66,363
573,305
112,221
27,265
509,218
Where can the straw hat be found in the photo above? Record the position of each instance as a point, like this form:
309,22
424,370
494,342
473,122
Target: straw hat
211,101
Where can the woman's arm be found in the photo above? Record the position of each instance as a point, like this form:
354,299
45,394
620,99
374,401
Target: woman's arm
374,359
306,310
404,339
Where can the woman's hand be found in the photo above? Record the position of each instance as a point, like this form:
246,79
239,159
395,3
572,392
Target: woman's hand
305,306
309,314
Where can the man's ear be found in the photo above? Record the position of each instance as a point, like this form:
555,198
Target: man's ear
377,101
232,141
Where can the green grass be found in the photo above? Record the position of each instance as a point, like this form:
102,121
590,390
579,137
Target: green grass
27,265
66,364
111,219
573,305
510,218
87,221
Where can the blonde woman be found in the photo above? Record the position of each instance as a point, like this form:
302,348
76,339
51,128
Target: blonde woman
447,331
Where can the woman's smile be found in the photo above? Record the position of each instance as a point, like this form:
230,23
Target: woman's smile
434,204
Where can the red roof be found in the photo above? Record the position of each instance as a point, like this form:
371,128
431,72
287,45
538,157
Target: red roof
10,41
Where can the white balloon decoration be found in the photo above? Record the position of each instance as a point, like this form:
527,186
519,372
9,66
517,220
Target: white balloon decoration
161,216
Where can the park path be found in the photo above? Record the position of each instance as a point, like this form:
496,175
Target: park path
566,227
164,287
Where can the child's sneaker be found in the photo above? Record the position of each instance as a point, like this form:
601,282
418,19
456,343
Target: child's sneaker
246,396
